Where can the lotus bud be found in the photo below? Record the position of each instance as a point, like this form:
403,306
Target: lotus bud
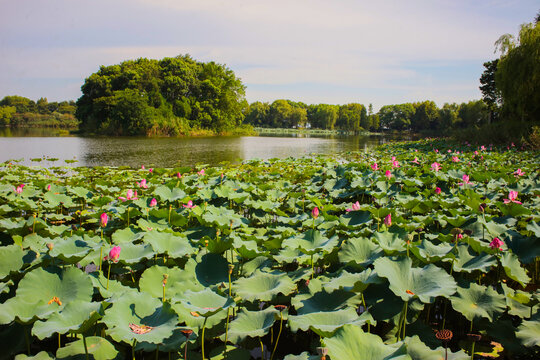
104,219
165,277
114,254
315,212
388,220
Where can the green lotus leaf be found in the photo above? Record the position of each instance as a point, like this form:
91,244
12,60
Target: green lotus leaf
195,322
390,242
426,283
42,355
80,192
178,281
126,235
133,253
39,287
73,249
465,261
325,323
519,303
140,309
167,194
478,301
356,218
74,316
259,263
169,243
55,200
350,342
251,324
212,269
151,225
513,269
513,210
10,224
311,242
172,343
232,353
263,286
504,331
223,218
527,248
318,300
98,348
529,331
417,350
35,242
352,281
303,356
11,259
115,288
206,302
359,251
429,252
4,286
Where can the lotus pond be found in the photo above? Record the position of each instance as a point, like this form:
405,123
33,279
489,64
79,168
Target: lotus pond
418,250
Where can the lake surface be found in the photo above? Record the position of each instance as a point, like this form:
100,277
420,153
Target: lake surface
27,144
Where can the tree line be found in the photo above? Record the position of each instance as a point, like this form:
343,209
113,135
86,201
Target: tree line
18,111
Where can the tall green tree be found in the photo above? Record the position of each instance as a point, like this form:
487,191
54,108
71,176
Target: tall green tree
518,74
425,117
490,94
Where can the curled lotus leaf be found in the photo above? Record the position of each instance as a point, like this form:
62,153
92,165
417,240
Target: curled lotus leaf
319,301
167,194
135,310
115,287
303,356
325,323
73,249
355,219
350,342
407,282
311,242
466,261
223,218
74,316
478,301
44,291
428,252
264,286
251,324
98,348
359,251
178,281
127,235
206,302
357,282
212,269
11,259
135,253
513,269
169,243
42,355
391,242
529,331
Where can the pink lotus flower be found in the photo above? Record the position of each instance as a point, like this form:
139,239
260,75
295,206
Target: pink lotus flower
436,150
189,205
465,179
150,170
395,164
436,166
375,166
142,184
388,174
19,189
455,159
153,202
518,173
475,152
355,207
201,173
104,219
114,254
416,161
178,175
49,187
315,212
496,243
388,220
483,148
437,190
512,196
130,195
142,167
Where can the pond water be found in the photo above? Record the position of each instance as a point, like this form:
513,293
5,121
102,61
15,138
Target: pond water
47,144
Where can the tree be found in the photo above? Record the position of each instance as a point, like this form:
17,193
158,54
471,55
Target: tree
257,114
518,74
448,117
490,94
6,112
323,116
426,116
170,92
473,114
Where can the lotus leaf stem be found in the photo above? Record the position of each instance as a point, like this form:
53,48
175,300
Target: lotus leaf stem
85,347
279,334
365,307
202,339
472,350
312,269
262,348
108,274
405,319
133,349
157,352
128,209
59,341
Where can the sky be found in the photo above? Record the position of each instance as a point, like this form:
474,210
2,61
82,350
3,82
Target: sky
315,51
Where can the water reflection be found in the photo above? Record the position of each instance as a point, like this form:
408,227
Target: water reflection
168,152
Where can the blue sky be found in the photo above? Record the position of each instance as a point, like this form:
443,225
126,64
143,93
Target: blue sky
315,51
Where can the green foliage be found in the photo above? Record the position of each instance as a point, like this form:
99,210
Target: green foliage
18,111
161,97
